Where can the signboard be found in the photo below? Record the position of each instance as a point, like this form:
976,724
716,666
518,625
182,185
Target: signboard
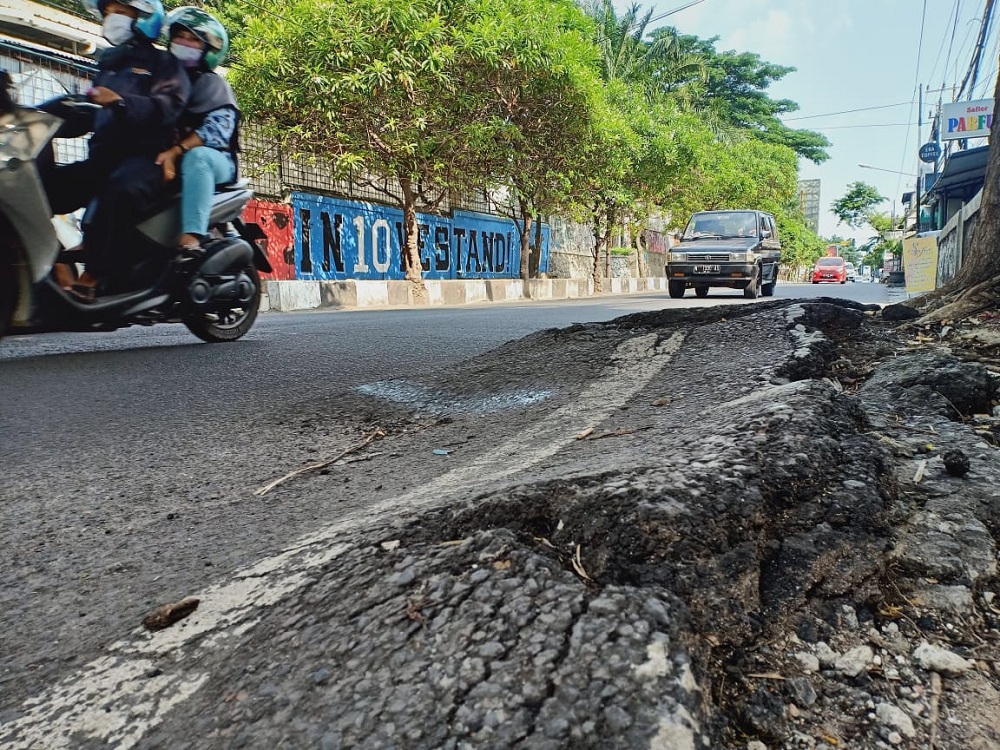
966,119
337,239
893,234
930,151
920,260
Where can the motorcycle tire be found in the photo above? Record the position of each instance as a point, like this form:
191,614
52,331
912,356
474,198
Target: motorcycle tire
215,328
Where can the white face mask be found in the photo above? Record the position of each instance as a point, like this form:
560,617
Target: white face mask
189,57
117,28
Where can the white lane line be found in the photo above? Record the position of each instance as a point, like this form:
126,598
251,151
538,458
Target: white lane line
116,699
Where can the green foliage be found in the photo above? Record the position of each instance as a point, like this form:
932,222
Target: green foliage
800,246
571,111
858,204
731,89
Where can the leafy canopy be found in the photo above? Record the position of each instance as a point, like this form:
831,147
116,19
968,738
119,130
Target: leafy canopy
857,206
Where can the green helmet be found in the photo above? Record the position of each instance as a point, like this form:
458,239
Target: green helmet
206,27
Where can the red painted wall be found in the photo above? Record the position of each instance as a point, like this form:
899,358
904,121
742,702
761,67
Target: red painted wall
276,219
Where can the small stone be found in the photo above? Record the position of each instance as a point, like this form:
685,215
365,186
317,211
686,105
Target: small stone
617,718
956,463
826,655
808,662
168,614
895,738
756,745
405,577
855,661
491,649
896,719
937,659
321,676
801,691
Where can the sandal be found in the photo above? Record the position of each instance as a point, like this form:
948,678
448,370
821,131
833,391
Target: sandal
84,292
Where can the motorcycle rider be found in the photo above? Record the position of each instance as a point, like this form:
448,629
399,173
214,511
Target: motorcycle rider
142,91
207,141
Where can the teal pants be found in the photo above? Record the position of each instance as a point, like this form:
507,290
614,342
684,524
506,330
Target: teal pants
202,168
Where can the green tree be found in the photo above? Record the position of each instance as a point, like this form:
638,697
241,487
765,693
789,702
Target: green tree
540,134
856,207
414,90
733,92
800,246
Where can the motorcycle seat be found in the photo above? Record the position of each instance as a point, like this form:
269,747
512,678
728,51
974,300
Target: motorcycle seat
241,183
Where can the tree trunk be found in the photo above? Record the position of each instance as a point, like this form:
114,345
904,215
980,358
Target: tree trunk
607,245
640,256
600,242
975,287
525,237
411,250
536,249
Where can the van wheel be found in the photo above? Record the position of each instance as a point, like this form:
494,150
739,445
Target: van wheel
701,291
227,325
675,289
752,290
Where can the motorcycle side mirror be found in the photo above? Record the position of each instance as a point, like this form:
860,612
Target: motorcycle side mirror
7,103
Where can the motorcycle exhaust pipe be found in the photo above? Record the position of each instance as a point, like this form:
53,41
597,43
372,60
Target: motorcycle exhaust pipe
240,290
224,255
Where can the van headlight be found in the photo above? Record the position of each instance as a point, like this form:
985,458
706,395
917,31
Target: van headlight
743,257
677,257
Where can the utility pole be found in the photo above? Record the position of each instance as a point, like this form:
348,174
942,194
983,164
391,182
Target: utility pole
920,125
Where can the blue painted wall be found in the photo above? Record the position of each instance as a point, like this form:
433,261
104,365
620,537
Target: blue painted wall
337,238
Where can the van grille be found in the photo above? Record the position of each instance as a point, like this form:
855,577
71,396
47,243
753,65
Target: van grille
713,258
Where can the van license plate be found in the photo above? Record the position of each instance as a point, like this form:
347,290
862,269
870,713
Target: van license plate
706,269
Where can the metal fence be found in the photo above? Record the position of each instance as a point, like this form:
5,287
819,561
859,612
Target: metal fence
39,76
273,171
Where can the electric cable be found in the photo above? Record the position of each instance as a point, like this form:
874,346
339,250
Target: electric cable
845,112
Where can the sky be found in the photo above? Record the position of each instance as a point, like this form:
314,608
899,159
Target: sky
851,55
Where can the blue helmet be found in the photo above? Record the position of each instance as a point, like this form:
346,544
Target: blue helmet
148,24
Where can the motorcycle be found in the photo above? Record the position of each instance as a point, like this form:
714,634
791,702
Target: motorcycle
215,292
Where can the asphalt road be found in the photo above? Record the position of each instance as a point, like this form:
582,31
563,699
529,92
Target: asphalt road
129,457
69,396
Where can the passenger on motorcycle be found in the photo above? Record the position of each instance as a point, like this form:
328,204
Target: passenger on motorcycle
207,137
142,91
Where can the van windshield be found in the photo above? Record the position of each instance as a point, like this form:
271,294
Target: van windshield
722,224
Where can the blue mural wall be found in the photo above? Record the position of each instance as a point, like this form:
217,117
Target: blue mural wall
337,239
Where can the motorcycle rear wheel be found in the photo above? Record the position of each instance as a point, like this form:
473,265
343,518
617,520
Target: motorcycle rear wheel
229,325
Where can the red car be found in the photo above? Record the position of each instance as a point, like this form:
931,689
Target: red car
830,269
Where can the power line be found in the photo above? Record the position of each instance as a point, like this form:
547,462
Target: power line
873,125
845,112
661,16
944,39
977,55
916,83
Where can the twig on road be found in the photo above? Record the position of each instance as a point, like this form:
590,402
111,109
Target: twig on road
373,435
935,707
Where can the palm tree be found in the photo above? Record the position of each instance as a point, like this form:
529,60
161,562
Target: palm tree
657,65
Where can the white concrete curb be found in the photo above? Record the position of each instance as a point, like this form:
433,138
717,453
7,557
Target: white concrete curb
286,296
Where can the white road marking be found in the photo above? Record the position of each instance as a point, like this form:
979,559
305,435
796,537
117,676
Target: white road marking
116,699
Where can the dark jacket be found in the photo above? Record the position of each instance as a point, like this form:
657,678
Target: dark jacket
209,92
155,89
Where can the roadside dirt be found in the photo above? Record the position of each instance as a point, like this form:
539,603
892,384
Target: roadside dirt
759,527
841,585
